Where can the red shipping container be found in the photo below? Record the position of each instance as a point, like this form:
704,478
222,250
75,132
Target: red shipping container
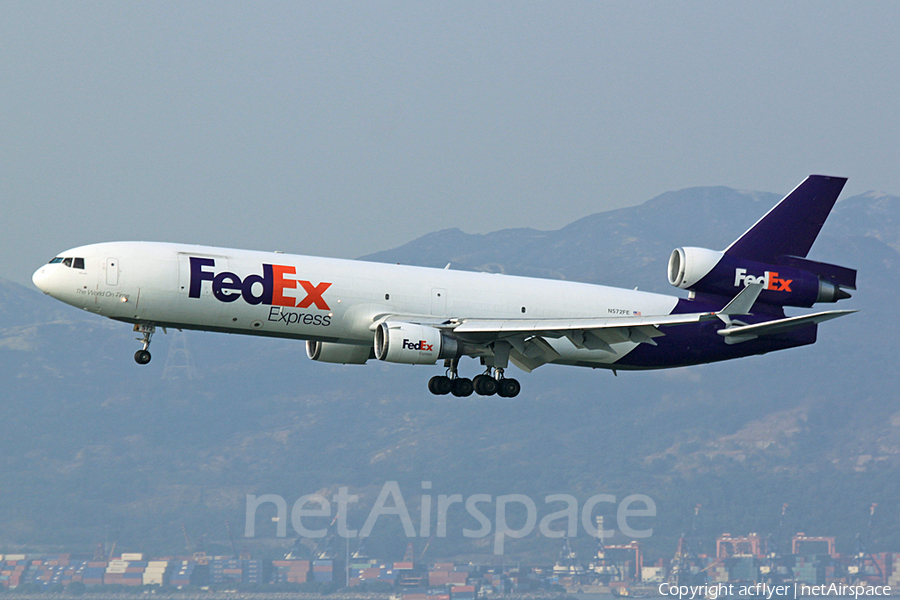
403,565
326,569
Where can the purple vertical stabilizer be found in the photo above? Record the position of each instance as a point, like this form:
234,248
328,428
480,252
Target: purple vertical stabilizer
791,227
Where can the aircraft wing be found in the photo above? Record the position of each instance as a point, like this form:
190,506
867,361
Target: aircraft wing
523,341
476,329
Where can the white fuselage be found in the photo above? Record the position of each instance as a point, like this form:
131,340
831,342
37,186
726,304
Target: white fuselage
311,298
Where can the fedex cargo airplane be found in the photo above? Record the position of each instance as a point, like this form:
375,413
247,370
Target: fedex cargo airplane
350,311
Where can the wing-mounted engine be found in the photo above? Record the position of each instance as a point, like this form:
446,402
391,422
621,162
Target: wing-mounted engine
345,354
790,281
413,344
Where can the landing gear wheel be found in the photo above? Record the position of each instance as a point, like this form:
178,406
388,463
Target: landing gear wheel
461,387
485,385
440,385
142,356
508,388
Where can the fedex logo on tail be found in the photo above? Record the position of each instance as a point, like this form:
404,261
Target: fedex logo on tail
769,279
422,345
273,287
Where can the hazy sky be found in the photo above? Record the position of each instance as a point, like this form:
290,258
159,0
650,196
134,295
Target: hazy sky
342,129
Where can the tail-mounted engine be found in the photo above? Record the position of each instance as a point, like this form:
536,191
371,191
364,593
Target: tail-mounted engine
413,344
792,281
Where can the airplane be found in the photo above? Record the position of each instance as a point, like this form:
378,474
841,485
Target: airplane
351,311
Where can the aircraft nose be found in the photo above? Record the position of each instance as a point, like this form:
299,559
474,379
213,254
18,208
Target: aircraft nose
40,278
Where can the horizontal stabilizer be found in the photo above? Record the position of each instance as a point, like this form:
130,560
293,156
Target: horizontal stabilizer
743,333
842,276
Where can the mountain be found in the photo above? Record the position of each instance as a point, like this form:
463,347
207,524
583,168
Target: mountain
96,447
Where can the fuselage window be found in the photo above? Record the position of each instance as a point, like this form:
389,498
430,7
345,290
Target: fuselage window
78,263
67,262
58,259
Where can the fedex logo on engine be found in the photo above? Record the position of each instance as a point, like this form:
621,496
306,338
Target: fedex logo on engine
269,288
769,279
422,345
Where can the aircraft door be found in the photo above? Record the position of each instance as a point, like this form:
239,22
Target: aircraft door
184,273
112,271
438,301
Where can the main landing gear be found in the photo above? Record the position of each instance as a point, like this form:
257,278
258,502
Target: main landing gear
142,356
486,384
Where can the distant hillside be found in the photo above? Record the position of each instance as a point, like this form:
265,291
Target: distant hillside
94,446
627,247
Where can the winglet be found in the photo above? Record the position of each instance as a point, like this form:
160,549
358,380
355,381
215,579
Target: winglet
741,304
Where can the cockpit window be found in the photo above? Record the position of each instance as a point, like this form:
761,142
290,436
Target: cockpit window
76,263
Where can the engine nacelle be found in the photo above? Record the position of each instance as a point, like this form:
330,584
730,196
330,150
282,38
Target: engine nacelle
793,282
345,354
689,265
412,344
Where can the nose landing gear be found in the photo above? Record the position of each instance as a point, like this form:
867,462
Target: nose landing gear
142,356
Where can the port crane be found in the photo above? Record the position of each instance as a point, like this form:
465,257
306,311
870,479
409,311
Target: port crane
603,565
865,566
686,568
775,570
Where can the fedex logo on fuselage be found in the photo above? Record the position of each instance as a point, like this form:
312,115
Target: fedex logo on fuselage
420,345
769,279
269,288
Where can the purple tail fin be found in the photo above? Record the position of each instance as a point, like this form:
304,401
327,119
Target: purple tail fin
791,227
